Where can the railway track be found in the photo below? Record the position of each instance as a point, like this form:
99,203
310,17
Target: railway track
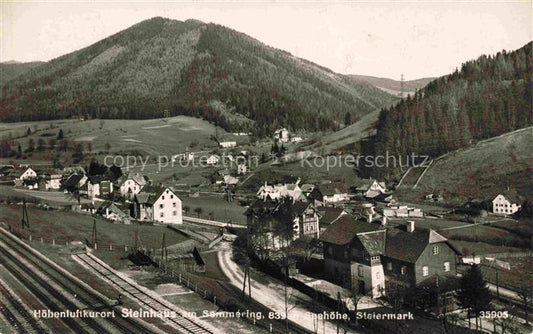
182,323
60,292
10,306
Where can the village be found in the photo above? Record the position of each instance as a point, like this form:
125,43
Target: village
349,245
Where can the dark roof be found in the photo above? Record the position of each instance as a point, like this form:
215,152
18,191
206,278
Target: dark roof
345,229
374,242
330,214
73,180
408,246
260,207
315,194
150,193
363,184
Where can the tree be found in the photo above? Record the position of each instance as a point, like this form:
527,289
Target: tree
347,119
186,209
31,145
77,155
474,294
60,134
198,211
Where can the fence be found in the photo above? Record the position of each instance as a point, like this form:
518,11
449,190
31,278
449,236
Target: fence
188,281
173,272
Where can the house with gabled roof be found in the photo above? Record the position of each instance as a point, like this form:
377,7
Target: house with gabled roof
367,256
369,188
506,203
74,182
267,220
130,184
157,204
114,212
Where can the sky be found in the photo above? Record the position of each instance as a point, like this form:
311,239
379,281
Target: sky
380,38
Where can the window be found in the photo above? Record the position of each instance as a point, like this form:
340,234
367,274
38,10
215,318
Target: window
389,266
425,271
174,204
174,213
330,250
163,197
374,258
171,196
161,215
435,250
160,206
403,270
446,266
360,271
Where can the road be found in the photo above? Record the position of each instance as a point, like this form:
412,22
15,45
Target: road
272,296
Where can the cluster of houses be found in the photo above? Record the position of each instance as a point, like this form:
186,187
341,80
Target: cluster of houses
368,243
283,136
116,197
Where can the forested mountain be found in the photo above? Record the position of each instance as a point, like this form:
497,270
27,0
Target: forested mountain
392,86
487,97
10,70
162,67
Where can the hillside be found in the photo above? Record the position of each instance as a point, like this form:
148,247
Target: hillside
10,70
163,67
488,97
481,171
392,86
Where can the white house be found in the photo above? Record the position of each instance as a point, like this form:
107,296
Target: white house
281,135
227,144
28,174
212,160
506,204
131,184
290,190
52,181
370,188
158,204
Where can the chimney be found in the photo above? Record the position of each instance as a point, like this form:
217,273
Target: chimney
384,220
410,226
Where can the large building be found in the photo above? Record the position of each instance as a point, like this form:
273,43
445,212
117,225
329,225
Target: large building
157,204
367,256
273,224
506,204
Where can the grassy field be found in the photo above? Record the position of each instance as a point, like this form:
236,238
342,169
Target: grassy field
152,137
354,133
222,210
53,198
481,171
68,226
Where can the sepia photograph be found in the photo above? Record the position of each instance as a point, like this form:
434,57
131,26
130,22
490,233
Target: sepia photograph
269,167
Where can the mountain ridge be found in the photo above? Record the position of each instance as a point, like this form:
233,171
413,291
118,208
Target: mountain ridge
161,67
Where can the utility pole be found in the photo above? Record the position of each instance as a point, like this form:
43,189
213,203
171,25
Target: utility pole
164,251
93,236
25,218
